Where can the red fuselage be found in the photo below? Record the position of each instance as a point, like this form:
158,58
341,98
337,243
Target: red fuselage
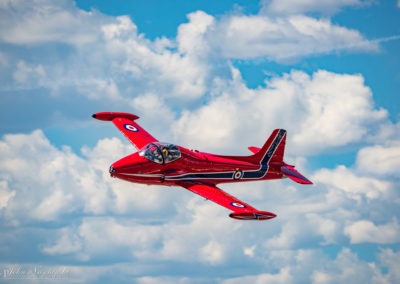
193,166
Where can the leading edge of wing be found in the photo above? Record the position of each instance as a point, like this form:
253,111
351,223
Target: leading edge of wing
126,124
241,210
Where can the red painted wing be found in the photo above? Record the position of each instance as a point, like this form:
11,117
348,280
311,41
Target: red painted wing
241,210
219,196
136,134
126,124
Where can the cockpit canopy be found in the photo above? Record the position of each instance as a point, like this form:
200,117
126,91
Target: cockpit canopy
160,153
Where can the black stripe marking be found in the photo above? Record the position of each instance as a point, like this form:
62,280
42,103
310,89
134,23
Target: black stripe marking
257,174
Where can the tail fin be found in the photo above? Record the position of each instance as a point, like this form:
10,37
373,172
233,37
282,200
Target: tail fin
273,150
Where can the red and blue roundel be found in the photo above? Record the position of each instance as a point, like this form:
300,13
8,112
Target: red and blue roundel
238,175
130,127
237,204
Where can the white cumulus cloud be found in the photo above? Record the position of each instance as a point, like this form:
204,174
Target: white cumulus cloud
365,231
104,53
283,276
302,6
355,186
380,159
42,21
285,38
105,219
310,107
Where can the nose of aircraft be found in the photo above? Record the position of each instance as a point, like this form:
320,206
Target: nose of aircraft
122,165
128,164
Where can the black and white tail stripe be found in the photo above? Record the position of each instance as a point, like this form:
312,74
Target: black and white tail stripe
256,174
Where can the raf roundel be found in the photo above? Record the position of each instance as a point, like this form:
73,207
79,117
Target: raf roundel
130,127
238,175
236,204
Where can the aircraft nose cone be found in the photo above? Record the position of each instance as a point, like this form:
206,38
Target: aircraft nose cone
126,165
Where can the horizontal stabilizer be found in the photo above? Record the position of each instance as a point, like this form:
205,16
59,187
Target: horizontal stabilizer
254,215
254,149
294,175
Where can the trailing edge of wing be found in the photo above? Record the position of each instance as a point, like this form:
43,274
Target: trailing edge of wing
241,210
126,124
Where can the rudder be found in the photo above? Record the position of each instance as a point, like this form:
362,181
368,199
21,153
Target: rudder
273,149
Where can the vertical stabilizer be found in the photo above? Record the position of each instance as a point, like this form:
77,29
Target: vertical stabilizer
273,150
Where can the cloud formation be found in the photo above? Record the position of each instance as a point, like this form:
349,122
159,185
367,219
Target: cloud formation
64,61
286,38
145,224
366,232
304,6
380,159
182,67
310,107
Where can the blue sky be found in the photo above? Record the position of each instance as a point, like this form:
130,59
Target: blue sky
218,77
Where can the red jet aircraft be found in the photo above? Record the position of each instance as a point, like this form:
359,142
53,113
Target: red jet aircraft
172,165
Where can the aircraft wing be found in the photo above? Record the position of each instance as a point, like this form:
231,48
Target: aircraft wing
125,122
241,210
